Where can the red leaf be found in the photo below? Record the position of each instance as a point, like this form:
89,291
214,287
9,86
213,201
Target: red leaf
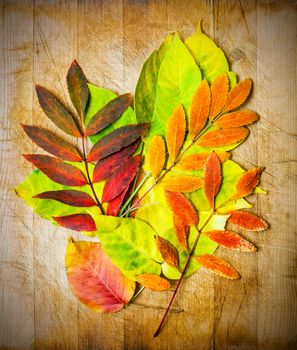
52,143
106,166
57,170
116,140
76,222
238,95
114,205
69,197
153,282
218,266
120,179
212,178
223,137
247,182
56,112
247,221
181,231
168,251
108,114
236,119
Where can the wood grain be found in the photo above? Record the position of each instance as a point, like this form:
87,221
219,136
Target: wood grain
111,40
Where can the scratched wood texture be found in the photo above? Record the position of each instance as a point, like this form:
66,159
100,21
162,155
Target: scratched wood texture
111,40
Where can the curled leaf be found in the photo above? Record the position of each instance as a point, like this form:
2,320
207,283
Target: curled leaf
218,266
156,155
113,206
175,131
182,184
212,178
168,251
236,119
153,282
69,197
76,222
197,161
238,95
247,182
223,137
219,91
247,221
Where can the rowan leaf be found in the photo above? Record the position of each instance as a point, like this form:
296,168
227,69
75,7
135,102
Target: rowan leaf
212,178
76,222
56,112
57,170
197,161
77,87
182,183
156,155
175,132
113,206
236,119
223,137
108,114
199,111
231,240
153,282
69,197
94,279
247,182
219,91
218,266
247,221
115,141
238,95
181,231
52,143
167,251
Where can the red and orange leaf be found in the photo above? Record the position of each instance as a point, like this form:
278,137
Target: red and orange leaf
231,240
114,205
223,137
57,170
182,184
197,161
52,143
236,119
115,141
153,282
108,114
156,155
218,266
69,197
120,179
56,112
199,111
76,222
181,231
247,221
248,182
238,95
168,251
106,166
175,132
94,279
212,178
219,92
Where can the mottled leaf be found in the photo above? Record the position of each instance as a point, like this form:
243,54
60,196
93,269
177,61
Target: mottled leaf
247,182
223,137
156,155
69,197
238,95
212,178
113,206
182,183
175,131
247,221
181,231
236,119
219,91
218,266
153,282
77,222
197,161
168,251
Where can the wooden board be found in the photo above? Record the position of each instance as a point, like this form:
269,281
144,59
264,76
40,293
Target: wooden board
111,40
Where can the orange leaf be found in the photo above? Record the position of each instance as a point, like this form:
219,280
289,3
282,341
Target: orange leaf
153,282
212,178
235,119
156,155
181,231
231,240
219,91
175,131
182,208
199,109
168,251
182,184
247,221
247,182
238,95
218,266
223,137
197,161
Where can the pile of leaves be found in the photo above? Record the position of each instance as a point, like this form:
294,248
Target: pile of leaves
154,183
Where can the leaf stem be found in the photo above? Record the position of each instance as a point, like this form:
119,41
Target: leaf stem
136,295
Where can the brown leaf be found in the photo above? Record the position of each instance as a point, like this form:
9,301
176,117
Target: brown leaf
247,221
197,161
212,178
248,182
236,119
175,132
181,231
76,222
69,197
153,282
219,91
156,155
182,183
108,114
57,170
223,137
114,206
168,251
56,112
238,95
218,266
52,143
231,240
199,109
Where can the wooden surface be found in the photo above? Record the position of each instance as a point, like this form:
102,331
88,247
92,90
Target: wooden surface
111,40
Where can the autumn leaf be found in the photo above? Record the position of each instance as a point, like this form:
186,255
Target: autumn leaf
153,282
197,161
181,231
199,109
156,155
168,251
219,91
247,221
69,197
182,184
113,206
76,222
238,95
218,266
247,182
175,131
236,119
231,240
212,178
94,279
223,137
